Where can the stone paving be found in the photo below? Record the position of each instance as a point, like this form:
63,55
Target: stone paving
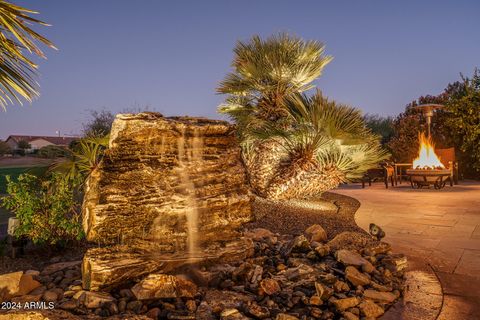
440,227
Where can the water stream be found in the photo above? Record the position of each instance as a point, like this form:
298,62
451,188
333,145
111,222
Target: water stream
193,156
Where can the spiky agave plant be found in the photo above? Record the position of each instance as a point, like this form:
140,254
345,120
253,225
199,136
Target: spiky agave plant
325,144
17,70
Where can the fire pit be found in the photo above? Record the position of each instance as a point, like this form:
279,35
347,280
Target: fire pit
427,168
426,177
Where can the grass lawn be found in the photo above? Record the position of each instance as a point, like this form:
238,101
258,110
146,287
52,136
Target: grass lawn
15,172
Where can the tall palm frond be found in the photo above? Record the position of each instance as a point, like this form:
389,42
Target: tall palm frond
17,71
269,71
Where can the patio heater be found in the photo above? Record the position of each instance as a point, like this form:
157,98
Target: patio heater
427,111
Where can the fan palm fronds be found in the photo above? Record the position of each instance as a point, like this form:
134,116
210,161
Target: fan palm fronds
17,71
266,72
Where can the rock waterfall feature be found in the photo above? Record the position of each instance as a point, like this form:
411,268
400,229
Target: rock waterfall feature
169,191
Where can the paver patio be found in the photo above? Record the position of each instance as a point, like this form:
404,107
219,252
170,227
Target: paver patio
441,227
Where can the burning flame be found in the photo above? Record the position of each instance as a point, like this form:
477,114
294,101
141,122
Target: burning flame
427,159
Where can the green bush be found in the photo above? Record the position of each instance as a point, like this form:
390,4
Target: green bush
46,208
52,152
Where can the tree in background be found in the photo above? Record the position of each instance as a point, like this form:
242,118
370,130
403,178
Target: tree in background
382,126
23,146
4,148
99,124
17,69
464,122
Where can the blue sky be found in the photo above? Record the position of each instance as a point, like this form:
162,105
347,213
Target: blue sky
170,55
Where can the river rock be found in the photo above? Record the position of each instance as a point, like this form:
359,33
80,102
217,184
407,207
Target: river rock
384,297
16,284
356,277
270,286
370,309
316,233
344,304
350,258
53,268
164,286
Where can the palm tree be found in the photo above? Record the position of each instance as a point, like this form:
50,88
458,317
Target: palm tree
17,71
265,74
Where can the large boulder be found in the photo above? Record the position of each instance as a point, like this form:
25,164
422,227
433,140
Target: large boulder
167,189
138,191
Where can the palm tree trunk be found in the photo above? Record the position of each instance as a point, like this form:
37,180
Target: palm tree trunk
263,165
297,182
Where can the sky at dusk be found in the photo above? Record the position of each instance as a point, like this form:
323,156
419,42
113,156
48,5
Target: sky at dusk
170,55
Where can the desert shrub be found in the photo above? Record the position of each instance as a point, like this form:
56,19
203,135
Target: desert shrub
52,152
4,148
380,125
46,208
464,123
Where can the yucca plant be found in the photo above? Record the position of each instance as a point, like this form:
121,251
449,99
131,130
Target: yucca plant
83,157
17,70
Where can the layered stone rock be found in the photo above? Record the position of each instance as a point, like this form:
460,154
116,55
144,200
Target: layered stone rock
156,172
137,191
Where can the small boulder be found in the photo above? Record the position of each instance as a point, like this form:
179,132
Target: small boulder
300,244
153,313
256,311
316,233
50,296
232,314
270,286
370,309
164,286
341,286
383,297
344,304
68,305
350,258
356,277
16,284
322,250
368,267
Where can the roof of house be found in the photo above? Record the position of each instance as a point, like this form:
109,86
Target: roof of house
54,140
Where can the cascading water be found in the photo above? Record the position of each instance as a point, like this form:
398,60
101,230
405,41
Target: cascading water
191,207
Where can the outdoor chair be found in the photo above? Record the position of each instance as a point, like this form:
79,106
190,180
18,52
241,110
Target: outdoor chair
447,157
384,173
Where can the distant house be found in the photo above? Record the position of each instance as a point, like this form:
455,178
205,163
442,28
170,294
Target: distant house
37,142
